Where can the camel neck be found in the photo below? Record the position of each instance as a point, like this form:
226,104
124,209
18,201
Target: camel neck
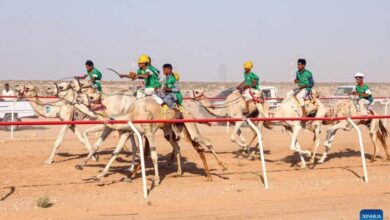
220,112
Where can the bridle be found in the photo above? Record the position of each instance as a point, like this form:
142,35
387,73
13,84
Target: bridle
81,87
96,105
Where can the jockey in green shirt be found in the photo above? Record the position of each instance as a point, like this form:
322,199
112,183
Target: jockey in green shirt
150,76
94,75
171,91
304,79
250,85
364,93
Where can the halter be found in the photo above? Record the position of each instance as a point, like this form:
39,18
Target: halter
99,105
60,90
81,87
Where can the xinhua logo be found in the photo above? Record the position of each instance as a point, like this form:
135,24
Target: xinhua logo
371,214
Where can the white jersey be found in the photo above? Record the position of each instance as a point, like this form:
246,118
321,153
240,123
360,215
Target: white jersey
8,93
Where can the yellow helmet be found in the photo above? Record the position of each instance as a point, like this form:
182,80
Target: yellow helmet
176,75
248,65
144,59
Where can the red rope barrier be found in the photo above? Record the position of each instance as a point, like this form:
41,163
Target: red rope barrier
211,98
175,121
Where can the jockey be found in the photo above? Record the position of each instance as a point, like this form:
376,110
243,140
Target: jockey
304,79
150,76
249,86
364,93
170,89
94,75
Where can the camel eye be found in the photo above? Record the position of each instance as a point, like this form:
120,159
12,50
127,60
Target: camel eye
196,92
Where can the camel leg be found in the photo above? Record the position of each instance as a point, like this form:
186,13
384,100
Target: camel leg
374,139
330,135
122,141
198,138
79,136
150,137
176,151
206,142
57,144
133,153
295,146
317,141
237,132
200,151
92,130
94,149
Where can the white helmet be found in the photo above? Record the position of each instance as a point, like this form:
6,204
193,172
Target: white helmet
359,74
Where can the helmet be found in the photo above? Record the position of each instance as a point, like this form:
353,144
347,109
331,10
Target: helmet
144,59
359,74
248,65
176,75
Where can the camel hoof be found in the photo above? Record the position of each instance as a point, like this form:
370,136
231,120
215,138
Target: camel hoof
96,157
209,179
224,166
95,178
127,179
307,153
79,167
310,162
303,166
47,162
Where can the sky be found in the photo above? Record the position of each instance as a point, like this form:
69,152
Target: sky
204,40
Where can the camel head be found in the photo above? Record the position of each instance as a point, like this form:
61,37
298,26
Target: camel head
27,91
82,86
198,94
56,88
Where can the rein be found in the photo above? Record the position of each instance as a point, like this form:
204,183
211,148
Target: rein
222,105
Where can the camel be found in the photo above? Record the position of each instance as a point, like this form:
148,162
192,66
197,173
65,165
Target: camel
347,108
145,109
233,107
57,109
117,104
290,108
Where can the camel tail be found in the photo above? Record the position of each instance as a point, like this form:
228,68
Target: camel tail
382,133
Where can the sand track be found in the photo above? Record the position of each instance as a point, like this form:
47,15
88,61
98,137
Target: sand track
334,190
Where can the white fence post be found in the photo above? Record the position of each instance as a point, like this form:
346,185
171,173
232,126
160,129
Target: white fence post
260,140
387,103
361,149
13,118
141,152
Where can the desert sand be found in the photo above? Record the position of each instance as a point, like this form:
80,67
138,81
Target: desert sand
334,190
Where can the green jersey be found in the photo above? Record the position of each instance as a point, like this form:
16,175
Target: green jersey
152,81
95,73
361,90
305,78
249,77
171,83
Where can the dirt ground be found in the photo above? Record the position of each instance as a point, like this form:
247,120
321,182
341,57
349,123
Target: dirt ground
334,190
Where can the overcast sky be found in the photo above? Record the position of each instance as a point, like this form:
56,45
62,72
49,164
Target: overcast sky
205,40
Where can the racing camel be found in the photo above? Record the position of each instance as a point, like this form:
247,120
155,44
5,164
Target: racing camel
347,108
57,109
